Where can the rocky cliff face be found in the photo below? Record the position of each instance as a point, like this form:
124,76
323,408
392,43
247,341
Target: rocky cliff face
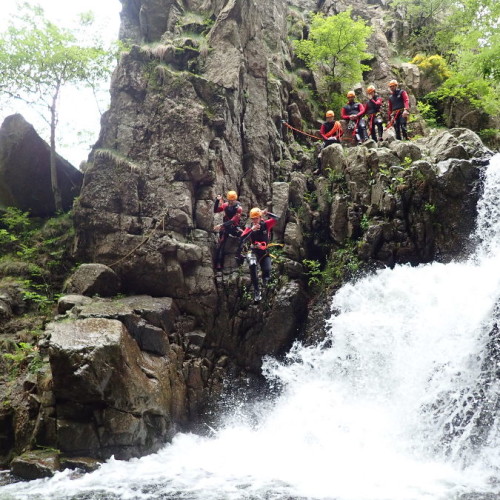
197,107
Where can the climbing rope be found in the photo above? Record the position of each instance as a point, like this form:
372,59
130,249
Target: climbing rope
147,236
300,131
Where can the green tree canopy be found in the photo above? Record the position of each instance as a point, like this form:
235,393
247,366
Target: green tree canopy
38,58
335,48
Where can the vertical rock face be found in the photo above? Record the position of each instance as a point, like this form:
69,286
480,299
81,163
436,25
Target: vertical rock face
189,118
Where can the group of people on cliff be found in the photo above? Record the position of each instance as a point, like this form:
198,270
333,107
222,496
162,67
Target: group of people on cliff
256,236
365,120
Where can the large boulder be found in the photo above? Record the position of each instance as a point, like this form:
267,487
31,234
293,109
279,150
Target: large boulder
110,397
25,171
93,279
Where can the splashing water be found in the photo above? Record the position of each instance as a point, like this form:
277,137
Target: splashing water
398,403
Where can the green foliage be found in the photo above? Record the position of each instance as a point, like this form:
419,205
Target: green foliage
365,222
423,18
25,356
434,71
37,252
460,89
342,265
458,49
38,59
335,48
430,208
428,113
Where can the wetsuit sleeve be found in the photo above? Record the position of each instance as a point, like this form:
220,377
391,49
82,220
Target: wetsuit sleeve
378,101
217,208
338,129
361,111
322,131
390,109
243,238
270,223
406,100
344,114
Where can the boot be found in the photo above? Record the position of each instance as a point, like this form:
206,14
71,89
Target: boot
257,296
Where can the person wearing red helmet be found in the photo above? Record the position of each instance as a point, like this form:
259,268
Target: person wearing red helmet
230,223
353,112
258,235
399,109
372,112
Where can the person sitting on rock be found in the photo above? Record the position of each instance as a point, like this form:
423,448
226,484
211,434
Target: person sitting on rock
399,110
372,112
230,226
258,235
331,131
353,112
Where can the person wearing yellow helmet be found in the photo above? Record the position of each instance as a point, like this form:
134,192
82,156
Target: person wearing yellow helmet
372,113
399,110
353,112
230,223
258,235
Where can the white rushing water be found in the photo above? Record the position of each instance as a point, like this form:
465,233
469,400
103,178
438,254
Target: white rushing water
394,405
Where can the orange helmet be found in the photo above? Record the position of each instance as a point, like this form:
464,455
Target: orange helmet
255,212
231,195
393,83
351,94
329,113
370,89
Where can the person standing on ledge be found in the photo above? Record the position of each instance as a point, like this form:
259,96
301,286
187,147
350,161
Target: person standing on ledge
399,110
372,112
353,112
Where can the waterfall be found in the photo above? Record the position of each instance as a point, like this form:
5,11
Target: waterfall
399,402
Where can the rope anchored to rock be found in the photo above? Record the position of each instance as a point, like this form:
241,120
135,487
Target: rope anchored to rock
300,131
147,236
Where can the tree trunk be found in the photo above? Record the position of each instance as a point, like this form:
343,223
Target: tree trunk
53,170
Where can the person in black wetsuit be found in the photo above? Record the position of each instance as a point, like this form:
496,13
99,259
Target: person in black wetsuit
353,112
373,115
331,131
230,223
258,235
399,110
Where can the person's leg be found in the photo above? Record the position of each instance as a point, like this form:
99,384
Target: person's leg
265,266
397,127
404,132
379,129
219,252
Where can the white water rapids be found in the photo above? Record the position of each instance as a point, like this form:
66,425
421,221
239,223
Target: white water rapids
397,404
